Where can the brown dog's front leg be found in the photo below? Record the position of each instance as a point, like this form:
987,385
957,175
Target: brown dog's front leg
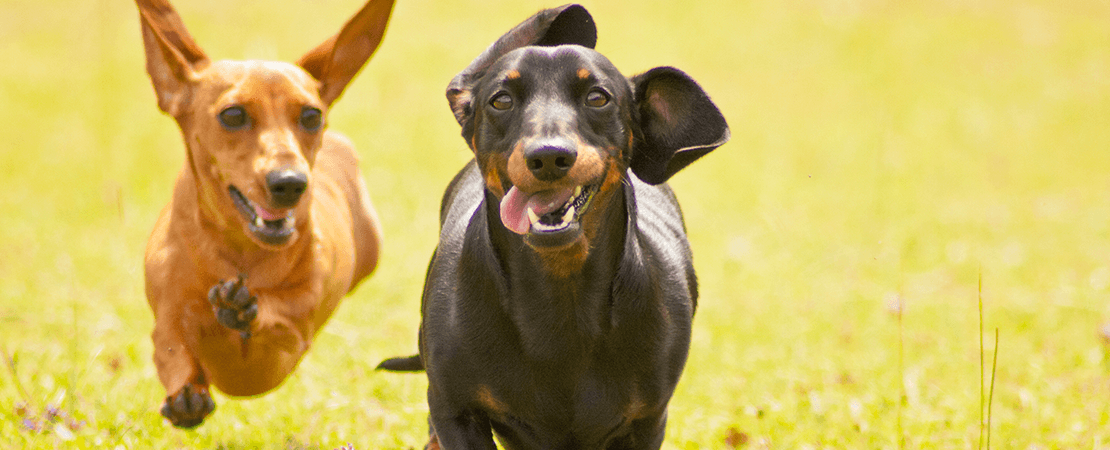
235,307
187,401
234,304
189,406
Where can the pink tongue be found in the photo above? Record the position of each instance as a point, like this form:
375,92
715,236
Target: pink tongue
515,204
266,214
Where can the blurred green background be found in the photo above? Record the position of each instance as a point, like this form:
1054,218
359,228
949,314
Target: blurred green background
885,156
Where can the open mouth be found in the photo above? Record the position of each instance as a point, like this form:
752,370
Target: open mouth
270,227
546,212
567,214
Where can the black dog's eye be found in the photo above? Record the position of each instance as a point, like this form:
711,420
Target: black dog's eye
501,101
233,117
597,98
311,118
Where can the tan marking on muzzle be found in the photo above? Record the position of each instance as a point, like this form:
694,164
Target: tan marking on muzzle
491,173
589,165
517,168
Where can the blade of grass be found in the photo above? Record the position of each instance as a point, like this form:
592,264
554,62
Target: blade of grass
10,359
901,375
990,399
982,367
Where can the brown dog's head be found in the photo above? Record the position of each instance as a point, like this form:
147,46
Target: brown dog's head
253,128
555,126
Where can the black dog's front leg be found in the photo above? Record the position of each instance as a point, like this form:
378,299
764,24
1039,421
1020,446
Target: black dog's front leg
458,429
469,431
646,434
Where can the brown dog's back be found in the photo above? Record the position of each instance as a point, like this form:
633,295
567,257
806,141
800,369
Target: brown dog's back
338,161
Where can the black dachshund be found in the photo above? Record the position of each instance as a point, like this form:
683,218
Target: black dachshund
558,304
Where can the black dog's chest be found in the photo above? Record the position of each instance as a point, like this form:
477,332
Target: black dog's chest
587,411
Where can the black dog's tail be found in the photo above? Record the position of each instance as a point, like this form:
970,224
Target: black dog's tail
402,364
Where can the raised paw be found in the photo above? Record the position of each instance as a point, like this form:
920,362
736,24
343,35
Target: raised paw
235,306
188,407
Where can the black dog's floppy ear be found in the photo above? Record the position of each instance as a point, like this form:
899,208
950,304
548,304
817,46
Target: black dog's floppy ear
678,121
567,24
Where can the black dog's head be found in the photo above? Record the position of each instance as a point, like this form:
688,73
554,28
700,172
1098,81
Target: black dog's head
555,126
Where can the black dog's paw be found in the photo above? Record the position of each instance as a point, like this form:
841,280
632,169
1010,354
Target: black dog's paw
235,306
189,407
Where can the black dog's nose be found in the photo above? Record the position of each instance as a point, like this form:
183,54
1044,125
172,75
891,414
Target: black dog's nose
550,162
286,186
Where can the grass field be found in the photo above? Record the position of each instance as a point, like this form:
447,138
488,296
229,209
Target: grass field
885,157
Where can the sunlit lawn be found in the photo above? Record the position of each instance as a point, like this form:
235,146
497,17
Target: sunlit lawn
886,156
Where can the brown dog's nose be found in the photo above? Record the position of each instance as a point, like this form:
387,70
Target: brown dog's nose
550,161
286,186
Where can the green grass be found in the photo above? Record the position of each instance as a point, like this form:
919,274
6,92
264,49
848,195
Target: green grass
884,155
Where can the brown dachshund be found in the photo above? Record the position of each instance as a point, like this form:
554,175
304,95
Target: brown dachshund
270,224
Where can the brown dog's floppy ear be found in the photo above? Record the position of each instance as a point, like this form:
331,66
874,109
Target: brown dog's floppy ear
567,24
678,123
336,61
172,57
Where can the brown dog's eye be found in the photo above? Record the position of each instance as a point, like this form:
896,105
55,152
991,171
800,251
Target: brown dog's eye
502,101
597,98
233,117
311,118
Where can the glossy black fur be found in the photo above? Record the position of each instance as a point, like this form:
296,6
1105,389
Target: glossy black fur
514,346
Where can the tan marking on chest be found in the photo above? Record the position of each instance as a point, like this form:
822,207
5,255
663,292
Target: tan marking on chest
485,398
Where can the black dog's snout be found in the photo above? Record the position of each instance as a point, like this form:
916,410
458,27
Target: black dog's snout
550,162
286,186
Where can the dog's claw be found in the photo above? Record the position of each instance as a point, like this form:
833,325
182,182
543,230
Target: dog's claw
189,407
235,306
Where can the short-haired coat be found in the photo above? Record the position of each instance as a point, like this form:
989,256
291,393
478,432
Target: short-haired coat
270,223
558,304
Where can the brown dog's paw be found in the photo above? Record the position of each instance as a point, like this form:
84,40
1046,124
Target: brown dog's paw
235,306
189,407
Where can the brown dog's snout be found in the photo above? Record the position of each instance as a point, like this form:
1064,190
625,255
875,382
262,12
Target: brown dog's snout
550,159
286,186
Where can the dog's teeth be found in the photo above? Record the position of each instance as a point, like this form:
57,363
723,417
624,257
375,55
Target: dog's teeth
532,217
577,191
569,215
258,221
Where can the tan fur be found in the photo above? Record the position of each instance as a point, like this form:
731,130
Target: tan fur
486,398
566,262
589,166
201,239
